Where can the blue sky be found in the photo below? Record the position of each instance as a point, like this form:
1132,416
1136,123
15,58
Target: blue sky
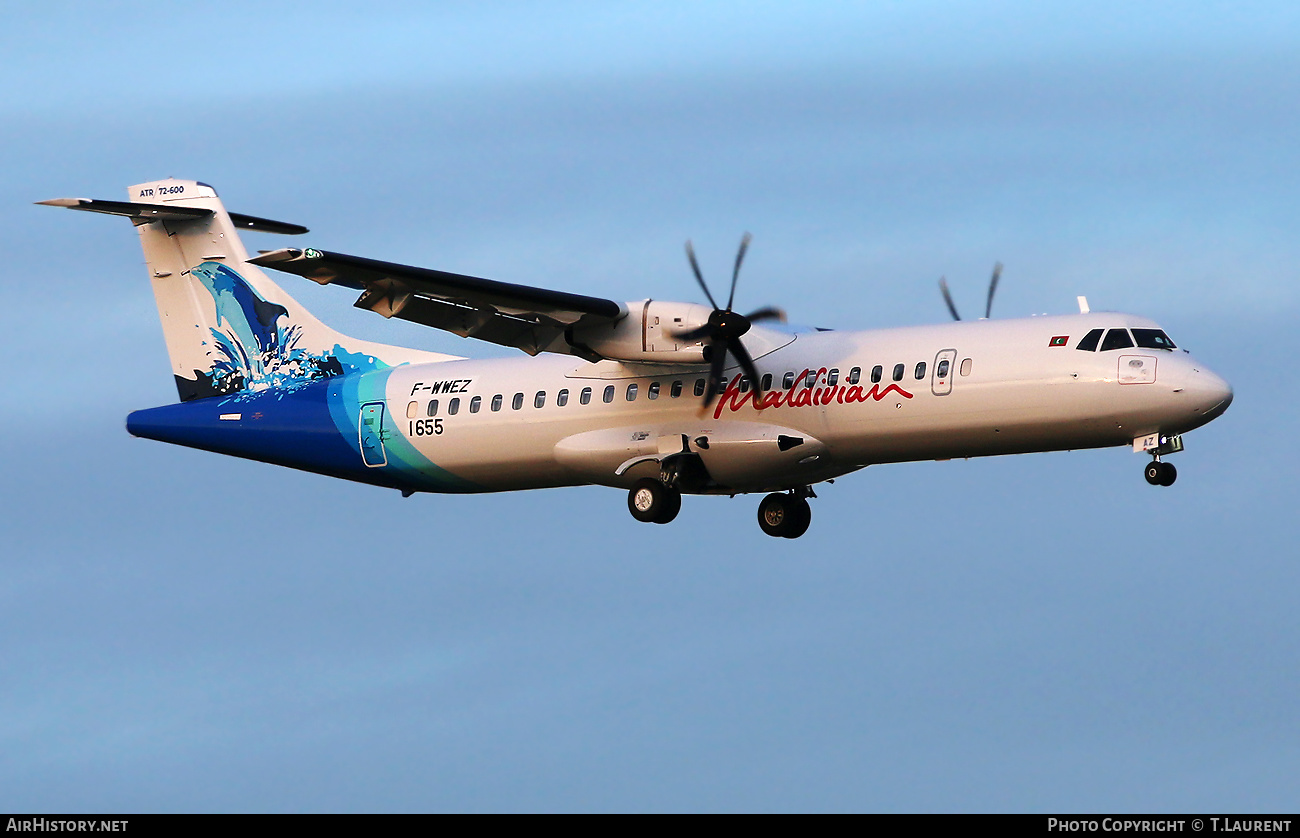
181,631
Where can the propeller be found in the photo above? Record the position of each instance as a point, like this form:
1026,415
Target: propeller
988,307
725,327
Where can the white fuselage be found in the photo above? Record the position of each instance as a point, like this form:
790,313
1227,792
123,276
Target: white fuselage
1006,389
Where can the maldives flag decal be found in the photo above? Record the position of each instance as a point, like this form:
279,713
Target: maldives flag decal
1059,340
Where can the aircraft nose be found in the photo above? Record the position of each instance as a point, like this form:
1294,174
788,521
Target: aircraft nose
1211,394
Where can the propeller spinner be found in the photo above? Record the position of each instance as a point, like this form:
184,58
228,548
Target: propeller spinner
725,328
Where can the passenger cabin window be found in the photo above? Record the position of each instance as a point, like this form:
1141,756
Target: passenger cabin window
676,389
811,379
920,371
833,378
475,403
767,381
517,402
1116,339
1089,341
699,386
496,402
539,400
585,397
788,381
1153,339
433,407
744,384
631,392
453,407
965,366
899,369
412,410
855,375
652,392
609,394
562,398
877,372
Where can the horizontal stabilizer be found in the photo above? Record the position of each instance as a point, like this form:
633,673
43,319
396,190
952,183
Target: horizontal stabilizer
144,213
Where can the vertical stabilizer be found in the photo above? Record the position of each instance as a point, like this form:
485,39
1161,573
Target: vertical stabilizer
228,327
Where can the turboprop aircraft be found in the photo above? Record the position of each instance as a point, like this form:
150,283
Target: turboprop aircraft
659,398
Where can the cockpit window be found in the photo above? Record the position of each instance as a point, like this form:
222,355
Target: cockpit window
1153,339
1088,343
1116,339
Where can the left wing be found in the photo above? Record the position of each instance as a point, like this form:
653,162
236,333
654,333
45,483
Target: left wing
532,319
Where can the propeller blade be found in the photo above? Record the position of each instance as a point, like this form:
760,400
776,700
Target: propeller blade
947,298
767,313
735,272
993,286
691,335
715,372
747,364
695,266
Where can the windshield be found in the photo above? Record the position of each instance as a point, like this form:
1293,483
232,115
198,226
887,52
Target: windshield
1152,339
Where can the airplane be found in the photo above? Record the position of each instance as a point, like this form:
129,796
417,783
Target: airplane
662,399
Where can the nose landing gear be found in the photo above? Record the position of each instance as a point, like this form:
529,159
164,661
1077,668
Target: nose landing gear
785,514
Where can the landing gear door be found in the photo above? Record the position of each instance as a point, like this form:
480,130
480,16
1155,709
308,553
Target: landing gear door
370,430
941,379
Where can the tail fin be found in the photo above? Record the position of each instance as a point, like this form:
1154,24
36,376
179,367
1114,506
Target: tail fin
228,327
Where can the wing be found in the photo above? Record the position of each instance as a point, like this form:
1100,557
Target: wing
532,319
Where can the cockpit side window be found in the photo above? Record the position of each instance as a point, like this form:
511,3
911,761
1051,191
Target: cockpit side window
1088,343
1116,339
1153,339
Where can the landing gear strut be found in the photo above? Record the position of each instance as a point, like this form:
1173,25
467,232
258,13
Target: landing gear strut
784,514
652,502
1160,474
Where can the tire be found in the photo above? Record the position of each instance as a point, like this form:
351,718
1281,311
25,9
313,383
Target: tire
647,499
1154,473
1168,474
672,505
800,517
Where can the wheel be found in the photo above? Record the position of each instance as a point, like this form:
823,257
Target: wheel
1168,474
1154,473
652,502
783,515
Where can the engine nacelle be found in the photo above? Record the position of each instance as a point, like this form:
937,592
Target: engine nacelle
646,334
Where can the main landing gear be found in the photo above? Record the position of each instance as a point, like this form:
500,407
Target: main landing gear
785,514
1160,474
780,515
652,502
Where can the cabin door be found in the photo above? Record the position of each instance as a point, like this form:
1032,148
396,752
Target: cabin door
941,378
370,429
